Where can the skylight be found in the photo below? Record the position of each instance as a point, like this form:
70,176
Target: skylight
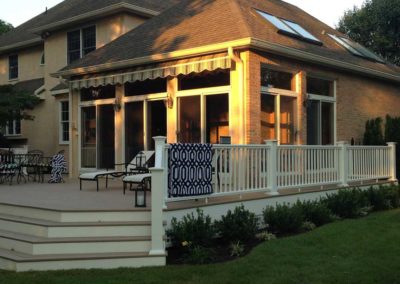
290,28
356,49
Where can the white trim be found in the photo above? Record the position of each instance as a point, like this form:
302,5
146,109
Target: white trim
276,91
157,96
325,99
59,92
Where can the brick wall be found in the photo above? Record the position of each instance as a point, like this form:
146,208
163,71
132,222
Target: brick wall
358,98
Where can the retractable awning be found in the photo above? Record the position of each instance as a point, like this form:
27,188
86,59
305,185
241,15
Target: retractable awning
163,70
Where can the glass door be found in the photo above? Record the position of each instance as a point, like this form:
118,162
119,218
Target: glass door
189,119
156,121
134,130
217,118
89,138
106,137
320,129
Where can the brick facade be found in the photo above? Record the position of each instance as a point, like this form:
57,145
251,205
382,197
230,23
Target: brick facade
359,98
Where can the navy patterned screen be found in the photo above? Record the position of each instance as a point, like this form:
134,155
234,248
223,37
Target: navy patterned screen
190,170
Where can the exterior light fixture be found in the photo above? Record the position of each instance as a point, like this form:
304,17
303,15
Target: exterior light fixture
140,193
117,105
169,101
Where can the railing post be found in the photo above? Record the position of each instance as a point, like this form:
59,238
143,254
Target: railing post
393,173
272,167
344,162
157,200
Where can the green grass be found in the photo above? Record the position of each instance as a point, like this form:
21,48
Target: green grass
353,251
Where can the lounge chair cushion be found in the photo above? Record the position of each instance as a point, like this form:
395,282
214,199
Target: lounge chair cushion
136,178
95,175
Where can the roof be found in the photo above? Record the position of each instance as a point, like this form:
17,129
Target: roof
29,86
197,23
29,32
59,87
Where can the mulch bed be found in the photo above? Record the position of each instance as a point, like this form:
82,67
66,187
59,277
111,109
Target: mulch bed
221,252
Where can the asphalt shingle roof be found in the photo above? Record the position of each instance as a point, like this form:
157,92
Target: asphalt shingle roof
68,9
195,23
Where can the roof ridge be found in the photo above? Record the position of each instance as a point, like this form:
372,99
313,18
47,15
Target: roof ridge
235,5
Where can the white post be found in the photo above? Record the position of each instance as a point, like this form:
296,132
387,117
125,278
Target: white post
393,174
157,200
344,163
272,166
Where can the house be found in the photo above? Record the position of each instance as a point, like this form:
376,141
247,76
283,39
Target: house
48,42
250,70
218,72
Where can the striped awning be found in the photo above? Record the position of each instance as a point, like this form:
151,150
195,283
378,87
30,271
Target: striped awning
163,70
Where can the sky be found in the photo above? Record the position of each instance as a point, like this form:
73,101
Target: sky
18,11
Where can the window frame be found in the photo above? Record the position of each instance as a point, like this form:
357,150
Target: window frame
14,126
12,69
81,40
62,122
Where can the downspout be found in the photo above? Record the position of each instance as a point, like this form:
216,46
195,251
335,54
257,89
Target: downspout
241,102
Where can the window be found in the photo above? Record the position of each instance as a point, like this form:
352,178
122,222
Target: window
321,105
278,106
205,80
13,128
80,43
13,67
99,93
356,49
290,28
64,122
146,87
42,59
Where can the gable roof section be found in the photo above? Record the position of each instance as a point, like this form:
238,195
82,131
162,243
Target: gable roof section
29,32
198,23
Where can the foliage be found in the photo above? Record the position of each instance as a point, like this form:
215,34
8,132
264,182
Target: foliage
14,104
237,249
266,236
308,226
376,26
315,212
194,230
383,198
199,255
5,27
239,225
348,203
392,134
284,219
374,132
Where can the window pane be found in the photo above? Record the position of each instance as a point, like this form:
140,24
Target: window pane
301,31
65,131
276,22
146,87
17,124
313,119
267,118
217,108
319,87
89,39
100,93
13,67
327,123
276,79
134,132
89,137
204,80
189,120
287,120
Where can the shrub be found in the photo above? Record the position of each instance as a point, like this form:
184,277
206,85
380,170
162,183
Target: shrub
194,230
237,249
383,198
284,219
199,255
315,212
347,203
237,226
308,226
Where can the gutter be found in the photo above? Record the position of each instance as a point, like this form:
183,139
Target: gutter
95,14
23,44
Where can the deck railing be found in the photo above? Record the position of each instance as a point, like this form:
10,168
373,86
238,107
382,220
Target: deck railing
270,167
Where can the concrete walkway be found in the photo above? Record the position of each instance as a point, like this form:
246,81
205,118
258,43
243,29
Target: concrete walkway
67,196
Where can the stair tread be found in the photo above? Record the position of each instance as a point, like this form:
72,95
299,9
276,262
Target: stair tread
22,257
43,240
47,223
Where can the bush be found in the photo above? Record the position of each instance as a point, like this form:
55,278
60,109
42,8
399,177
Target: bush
348,203
284,219
199,255
238,226
315,212
196,231
383,198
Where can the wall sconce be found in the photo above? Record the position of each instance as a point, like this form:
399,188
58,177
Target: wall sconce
117,105
169,101
306,102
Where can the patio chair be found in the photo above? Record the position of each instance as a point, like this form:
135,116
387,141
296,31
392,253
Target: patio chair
142,181
138,165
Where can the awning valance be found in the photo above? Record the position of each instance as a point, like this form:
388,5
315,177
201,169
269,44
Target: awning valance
175,68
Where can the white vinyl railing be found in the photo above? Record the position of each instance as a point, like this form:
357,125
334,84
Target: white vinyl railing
239,169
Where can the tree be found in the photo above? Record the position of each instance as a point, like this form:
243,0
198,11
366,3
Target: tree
5,27
375,25
14,104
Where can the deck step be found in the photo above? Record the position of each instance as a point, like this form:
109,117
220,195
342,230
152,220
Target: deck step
16,261
51,229
35,245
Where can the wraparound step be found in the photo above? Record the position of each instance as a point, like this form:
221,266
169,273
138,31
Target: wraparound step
15,261
41,246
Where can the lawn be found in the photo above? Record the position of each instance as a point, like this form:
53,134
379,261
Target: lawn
353,251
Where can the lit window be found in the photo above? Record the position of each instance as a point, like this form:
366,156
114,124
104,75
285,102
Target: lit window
64,122
80,43
13,67
356,49
290,28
